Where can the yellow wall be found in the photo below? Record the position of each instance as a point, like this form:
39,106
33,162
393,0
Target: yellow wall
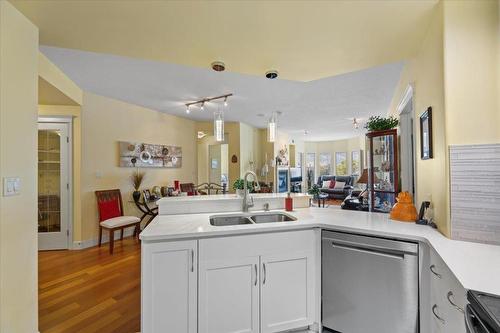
106,121
232,137
18,158
250,149
56,78
426,73
75,113
203,146
471,67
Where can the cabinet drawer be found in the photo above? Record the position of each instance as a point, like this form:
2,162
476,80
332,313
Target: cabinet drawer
448,294
256,245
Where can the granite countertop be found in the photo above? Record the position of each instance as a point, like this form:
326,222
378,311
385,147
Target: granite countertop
476,266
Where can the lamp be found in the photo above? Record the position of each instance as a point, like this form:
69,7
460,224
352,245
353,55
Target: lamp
219,125
271,128
364,179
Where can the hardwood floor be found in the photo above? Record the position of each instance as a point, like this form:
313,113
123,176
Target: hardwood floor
90,290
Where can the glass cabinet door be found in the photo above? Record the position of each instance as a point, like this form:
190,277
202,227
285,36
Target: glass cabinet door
383,170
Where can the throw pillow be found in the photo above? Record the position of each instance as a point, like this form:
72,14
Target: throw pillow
332,184
326,184
109,209
339,185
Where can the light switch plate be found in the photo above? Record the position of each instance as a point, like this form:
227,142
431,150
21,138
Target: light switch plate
11,186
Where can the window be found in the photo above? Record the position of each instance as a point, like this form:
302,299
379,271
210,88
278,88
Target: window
356,163
310,166
341,164
325,161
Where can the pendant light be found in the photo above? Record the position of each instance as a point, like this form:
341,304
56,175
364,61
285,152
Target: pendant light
219,125
272,127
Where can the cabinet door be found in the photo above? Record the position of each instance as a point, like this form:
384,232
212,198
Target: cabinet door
287,291
169,288
229,295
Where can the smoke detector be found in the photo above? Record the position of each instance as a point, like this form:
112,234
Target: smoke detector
218,66
272,74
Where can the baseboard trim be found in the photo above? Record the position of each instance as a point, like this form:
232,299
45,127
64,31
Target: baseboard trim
80,245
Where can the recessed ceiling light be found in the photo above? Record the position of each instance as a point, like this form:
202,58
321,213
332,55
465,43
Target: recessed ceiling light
218,66
272,74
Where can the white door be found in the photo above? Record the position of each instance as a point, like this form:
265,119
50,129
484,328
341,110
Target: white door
287,294
169,289
53,186
229,296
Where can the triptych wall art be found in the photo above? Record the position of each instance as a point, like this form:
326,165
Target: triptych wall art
146,155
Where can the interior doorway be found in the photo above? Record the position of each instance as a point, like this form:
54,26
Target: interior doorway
54,184
218,164
407,143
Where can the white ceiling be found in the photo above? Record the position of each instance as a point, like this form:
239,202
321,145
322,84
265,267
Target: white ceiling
324,107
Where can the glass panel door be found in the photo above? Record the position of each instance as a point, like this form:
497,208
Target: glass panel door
53,186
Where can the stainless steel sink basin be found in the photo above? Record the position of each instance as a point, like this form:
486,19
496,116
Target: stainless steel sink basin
225,220
272,217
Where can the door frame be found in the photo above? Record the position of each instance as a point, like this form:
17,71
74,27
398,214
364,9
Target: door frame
409,97
68,120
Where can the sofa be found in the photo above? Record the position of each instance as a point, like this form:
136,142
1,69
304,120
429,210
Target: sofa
339,194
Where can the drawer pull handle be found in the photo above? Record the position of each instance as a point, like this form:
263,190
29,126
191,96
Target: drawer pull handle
192,260
433,270
449,296
434,307
255,283
264,271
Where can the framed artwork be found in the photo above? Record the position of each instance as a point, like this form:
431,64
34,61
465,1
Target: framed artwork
149,155
426,134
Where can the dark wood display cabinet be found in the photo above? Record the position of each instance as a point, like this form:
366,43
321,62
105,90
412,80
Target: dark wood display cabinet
383,170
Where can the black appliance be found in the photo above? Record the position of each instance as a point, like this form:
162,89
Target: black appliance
482,314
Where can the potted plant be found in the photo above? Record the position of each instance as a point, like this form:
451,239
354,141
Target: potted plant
136,178
314,191
238,185
377,123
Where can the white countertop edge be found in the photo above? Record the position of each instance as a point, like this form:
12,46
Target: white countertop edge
475,265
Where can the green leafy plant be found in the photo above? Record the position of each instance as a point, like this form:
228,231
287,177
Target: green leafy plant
377,123
136,179
314,190
239,184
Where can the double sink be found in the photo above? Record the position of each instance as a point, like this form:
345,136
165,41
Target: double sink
245,218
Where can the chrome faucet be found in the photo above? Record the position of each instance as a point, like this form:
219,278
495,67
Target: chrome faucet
246,204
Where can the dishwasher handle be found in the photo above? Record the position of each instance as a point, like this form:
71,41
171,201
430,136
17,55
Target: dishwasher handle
394,254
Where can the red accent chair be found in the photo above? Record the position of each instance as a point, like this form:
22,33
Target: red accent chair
110,207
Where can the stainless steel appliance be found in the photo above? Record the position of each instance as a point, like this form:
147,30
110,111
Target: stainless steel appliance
482,314
369,284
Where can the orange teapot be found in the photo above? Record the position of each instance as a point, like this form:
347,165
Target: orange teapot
404,210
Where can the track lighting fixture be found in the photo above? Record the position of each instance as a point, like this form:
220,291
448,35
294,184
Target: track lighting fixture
202,101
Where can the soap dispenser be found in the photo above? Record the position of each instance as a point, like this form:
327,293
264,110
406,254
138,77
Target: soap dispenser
289,203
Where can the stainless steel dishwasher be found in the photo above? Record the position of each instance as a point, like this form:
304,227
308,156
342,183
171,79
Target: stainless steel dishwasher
369,284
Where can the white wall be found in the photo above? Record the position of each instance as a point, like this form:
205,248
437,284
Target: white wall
18,158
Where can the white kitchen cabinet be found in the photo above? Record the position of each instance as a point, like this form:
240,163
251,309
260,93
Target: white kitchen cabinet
276,295
287,291
448,298
229,295
169,287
